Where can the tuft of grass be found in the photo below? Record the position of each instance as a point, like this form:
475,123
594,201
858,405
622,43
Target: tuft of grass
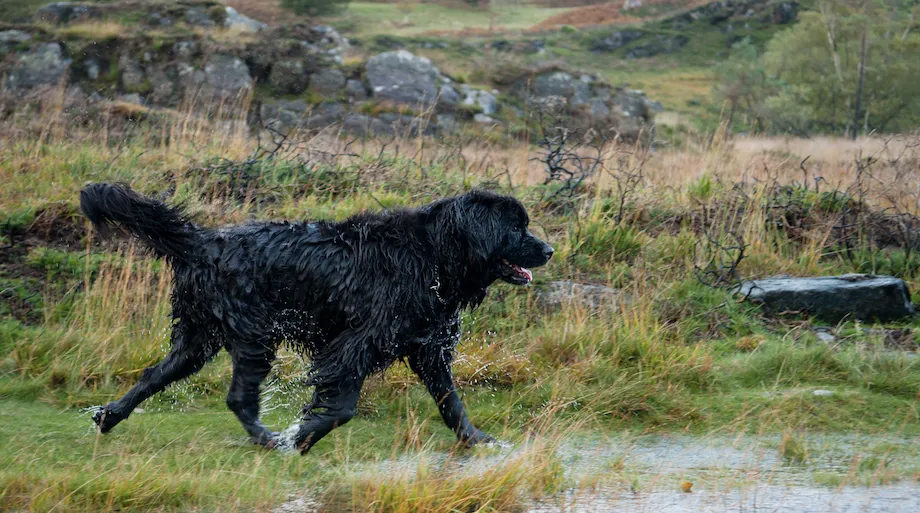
531,473
792,448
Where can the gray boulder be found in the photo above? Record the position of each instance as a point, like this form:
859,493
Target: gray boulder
325,115
185,50
191,78
44,64
485,100
447,123
616,40
833,298
241,22
355,90
448,97
227,74
599,108
283,114
562,85
483,119
133,98
408,125
632,103
198,16
659,45
289,77
163,86
156,19
131,74
10,39
289,114
328,81
785,13
93,67
402,77
365,126
553,295
58,13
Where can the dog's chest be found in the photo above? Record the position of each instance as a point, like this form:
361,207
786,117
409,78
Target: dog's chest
444,332
297,326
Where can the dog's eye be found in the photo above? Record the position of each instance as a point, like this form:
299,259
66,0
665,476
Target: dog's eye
515,229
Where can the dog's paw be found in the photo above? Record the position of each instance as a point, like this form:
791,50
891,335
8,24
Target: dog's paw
268,439
478,437
104,419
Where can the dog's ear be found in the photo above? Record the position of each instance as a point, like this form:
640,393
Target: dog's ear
480,221
472,220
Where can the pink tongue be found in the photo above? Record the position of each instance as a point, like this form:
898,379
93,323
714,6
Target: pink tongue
523,272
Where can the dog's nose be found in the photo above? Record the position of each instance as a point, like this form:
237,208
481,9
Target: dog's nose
548,251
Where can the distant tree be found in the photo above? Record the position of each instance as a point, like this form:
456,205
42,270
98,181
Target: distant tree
742,84
315,7
852,66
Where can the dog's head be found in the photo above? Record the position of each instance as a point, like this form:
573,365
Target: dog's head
495,230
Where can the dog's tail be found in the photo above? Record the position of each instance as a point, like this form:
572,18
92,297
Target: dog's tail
164,228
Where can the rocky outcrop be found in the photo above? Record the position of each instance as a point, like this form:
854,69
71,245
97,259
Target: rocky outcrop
651,40
590,103
716,13
301,78
833,298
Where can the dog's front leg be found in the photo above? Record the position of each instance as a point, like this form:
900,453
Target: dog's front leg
333,405
432,364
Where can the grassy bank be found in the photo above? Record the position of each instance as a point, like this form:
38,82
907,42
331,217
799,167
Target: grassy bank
80,319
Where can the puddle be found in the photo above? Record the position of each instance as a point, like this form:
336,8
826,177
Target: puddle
755,498
736,474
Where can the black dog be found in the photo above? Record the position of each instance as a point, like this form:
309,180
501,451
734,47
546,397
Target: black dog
355,296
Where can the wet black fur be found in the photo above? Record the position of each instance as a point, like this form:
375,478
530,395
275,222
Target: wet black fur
355,296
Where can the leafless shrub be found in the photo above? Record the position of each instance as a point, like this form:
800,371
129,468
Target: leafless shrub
569,156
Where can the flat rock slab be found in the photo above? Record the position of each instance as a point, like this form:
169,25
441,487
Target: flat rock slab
851,296
553,295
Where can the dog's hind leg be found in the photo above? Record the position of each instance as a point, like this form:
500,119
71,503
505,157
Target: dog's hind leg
333,405
191,349
249,371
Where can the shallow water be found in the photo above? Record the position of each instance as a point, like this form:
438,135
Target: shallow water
729,474
772,498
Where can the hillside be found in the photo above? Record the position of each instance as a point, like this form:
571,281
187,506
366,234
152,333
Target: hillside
670,57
